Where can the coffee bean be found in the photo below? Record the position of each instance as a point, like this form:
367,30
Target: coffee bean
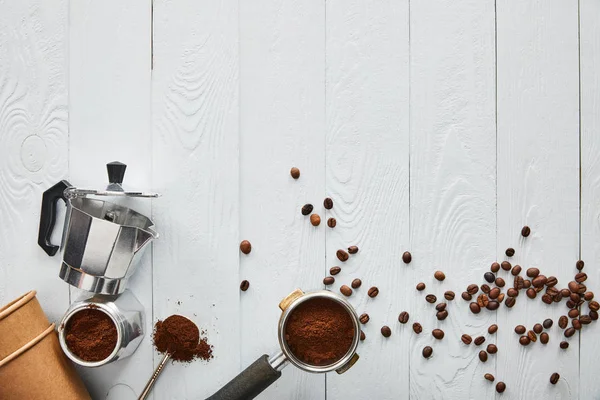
430,298
512,292
493,329
588,296
438,334
328,280
417,328
386,331
449,295
489,377
346,291
500,387
328,203
538,328
427,351
520,329
364,318
334,270
516,270
579,265
532,336
539,281
519,283
510,302
531,293
356,283
554,378
573,286
485,288
244,285
551,281
593,315
466,296
532,272
553,292
482,300
565,292
373,292
510,252
585,319
524,340
466,339
307,209
500,297
407,257
547,324
569,332
571,304
362,336
492,348
489,277
525,231
442,315
420,286
439,275
575,297
331,222
581,289
295,173
472,289
440,306
558,298
494,293
342,255
506,265
593,305
526,283
573,313
495,267
564,345
576,324
544,338
479,340
483,356
563,321
581,277
403,317
547,299
353,249
492,305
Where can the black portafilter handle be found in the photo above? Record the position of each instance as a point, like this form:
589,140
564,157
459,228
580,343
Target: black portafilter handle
116,171
250,382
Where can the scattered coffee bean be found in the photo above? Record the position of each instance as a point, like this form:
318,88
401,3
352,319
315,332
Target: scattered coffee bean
551,281
417,328
407,257
489,277
576,324
334,270
581,289
244,285
440,306
420,286
492,305
438,334
485,288
362,336
449,295
439,275
342,255
532,272
547,324
593,315
532,336
328,280
373,292
531,293
588,296
574,313
442,315
552,292
346,291
564,345
544,338
403,317
519,283
472,289
364,318
500,297
492,348
315,220
573,286
554,378
512,292
575,297
494,293
483,356
482,300
510,302
475,309
520,329
526,283
581,277
430,298
585,319
245,247
466,296
538,328
386,331
489,377
510,252
524,340
539,281
495,267
506,265
525,231
493,329
295,173
500,387
516,270
571,304
353,249
579,265
328,203
593,305
565,292
331,222
547,299
479,340
307,209
427,351
569,332
466,339
356,283
563,321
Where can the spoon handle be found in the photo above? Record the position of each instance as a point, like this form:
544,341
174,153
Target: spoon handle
154,376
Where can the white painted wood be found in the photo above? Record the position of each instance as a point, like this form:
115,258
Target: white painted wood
282,124
195,165
367,177
33,144
589,385
109,105
538,182
453,189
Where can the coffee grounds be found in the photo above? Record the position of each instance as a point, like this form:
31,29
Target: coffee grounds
319,332
180,337
91,335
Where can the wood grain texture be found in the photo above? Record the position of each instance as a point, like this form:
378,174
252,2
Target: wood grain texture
538,182
589,385
282,124
33,143
367,177
453,189
195,165
109,89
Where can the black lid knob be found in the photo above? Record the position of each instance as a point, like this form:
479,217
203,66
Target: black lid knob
116,171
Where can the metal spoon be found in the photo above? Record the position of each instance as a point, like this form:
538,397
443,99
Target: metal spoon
154,376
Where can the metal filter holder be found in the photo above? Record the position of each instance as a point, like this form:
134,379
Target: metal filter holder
267,369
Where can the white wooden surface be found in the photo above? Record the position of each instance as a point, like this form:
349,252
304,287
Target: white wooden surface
436,127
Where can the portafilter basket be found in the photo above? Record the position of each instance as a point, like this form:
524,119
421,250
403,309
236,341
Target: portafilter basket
267,369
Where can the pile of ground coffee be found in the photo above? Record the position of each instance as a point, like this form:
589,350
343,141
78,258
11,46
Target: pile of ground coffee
180,337
91,335
319,332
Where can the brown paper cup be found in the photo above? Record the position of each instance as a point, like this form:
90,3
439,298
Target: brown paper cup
32,364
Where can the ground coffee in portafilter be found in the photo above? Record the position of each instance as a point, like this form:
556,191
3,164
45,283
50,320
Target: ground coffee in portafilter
180,337
91,335
319,332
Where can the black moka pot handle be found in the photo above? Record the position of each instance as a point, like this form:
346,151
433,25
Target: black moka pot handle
48,215
250,382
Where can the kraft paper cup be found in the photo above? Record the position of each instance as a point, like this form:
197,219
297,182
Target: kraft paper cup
32,364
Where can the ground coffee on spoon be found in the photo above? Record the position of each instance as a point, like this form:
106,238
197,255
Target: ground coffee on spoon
180,337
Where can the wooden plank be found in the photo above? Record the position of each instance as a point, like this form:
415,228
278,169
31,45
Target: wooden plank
538,182
34,137
109,84
453,188
282,124
195,166
589,12
368,178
